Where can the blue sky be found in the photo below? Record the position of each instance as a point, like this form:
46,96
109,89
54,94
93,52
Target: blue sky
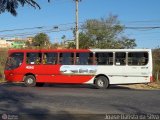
131,13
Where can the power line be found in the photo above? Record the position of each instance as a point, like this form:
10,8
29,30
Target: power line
33,33
63,27
57,27
150,27
38,27
142,21
11,30
53,26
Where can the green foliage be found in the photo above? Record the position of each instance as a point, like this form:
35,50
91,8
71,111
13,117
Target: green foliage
27,44
12,5
104,33
41,40
55,46
85,42
71,45
63,37
125,43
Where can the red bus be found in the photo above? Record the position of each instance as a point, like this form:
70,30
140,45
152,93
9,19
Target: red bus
100,67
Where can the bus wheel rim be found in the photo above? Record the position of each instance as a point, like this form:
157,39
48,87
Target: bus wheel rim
30,81
100,83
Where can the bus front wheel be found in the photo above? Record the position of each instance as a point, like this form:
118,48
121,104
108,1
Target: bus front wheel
30,81
102,82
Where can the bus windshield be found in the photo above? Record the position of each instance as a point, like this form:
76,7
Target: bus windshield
14,61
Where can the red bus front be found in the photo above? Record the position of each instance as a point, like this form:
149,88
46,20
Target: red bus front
13,68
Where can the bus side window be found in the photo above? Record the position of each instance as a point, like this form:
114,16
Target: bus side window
120,58
66,58
84,58
50,58
33,58
137,58
104,58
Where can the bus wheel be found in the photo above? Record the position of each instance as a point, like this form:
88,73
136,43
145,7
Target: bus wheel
102,82
30,81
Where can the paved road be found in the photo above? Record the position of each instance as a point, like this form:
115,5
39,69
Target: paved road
70,101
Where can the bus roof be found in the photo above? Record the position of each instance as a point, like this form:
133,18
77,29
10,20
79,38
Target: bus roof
79,50
119,50
48,50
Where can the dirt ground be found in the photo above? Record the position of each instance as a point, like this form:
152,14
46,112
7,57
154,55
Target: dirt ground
143,86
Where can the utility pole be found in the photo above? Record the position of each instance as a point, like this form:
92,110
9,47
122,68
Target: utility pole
76,29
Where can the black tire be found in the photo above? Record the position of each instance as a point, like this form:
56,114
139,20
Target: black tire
101,82
30,81
39,84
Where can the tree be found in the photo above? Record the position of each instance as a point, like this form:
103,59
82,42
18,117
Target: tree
104,33
12,5
124,43
55,46
127,43
71,45
85,41
41,40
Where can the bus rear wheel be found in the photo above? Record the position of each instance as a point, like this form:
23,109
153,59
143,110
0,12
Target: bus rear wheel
30,81
101,82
